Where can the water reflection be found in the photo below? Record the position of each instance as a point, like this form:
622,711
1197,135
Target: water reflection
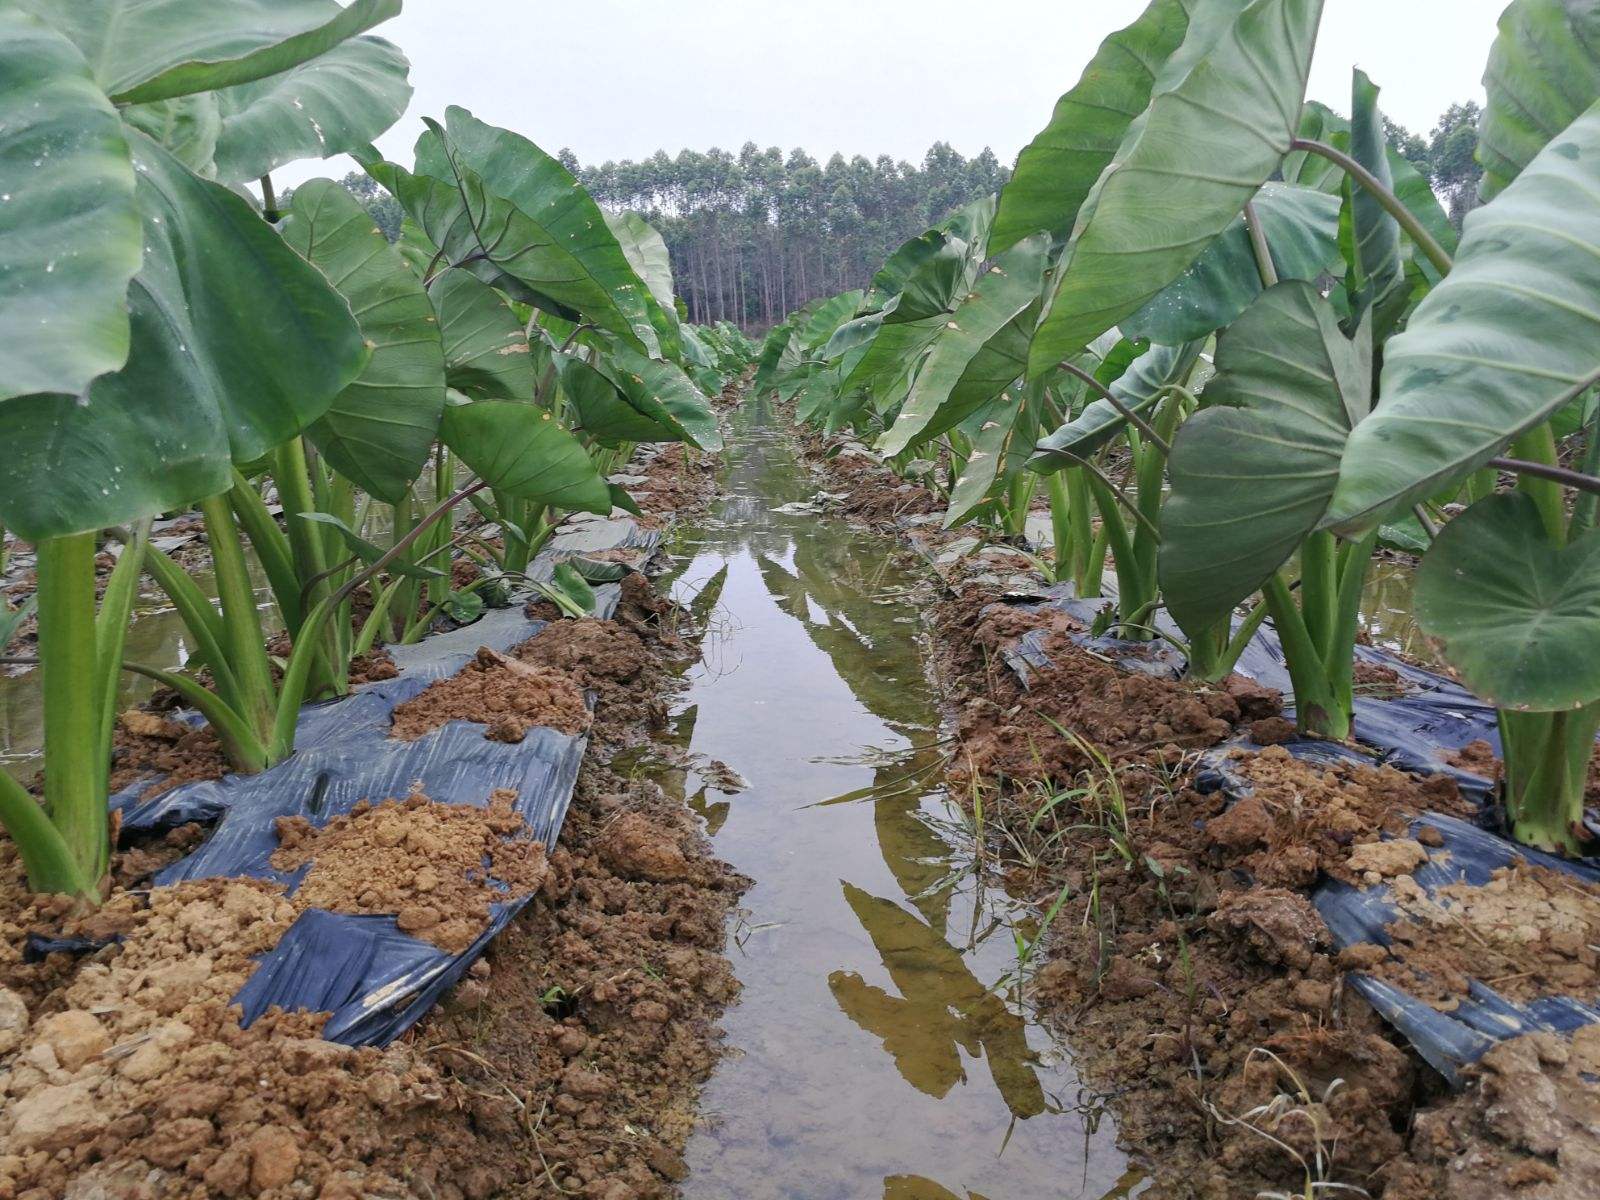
870,1055
941,1009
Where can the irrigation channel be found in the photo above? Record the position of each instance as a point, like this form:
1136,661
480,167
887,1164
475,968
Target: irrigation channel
872,1053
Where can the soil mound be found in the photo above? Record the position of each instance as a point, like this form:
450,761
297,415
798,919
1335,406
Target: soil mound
506,694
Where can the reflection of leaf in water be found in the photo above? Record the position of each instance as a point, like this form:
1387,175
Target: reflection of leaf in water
941,1006
917,1187
713,813
707,598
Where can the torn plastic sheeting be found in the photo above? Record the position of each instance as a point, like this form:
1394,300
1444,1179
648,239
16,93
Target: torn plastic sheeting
374,981
344,755
364,713
454,764
1419,732
1450,1041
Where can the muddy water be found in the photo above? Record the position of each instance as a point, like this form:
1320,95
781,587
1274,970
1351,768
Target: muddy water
873,1054
156,637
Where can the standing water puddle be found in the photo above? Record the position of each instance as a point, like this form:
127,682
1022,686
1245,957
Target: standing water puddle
871,1052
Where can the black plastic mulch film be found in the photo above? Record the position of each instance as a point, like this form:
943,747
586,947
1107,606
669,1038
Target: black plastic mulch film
375,981
1417,732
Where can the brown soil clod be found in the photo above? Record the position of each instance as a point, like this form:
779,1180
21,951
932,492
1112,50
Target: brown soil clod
506,694
429,864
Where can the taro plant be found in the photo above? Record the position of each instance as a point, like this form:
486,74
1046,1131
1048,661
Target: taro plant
157,330
1499,352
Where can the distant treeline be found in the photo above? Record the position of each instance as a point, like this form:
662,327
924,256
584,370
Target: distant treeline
755,235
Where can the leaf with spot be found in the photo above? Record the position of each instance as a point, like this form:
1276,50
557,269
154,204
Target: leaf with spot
237,345
69,227
1543,73
1302,231
330,105
937,400
486,354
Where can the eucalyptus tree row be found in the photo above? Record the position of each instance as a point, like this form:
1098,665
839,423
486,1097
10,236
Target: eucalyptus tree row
168,342
1239,339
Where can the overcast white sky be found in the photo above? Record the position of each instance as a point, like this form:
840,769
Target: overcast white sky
623,78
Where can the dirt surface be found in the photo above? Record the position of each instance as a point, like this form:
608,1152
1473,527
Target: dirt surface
1526,1126
132,1077
564,1064
870,491
504,693
146,745
1528,932
435,866
1302,820
1188,970
679,481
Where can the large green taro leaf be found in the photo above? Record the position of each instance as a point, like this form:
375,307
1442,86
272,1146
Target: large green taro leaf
523,451
1302,231
936,401
1055,171
1516,616
1252,473
1222,116
1140,388
663,392
1507,338
485,347
144,50
332,104
69,228
237,345
530,221
826,320
1002,436
605,413
1543,72
379,431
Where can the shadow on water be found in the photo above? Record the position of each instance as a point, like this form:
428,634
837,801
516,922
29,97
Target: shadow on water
871,1054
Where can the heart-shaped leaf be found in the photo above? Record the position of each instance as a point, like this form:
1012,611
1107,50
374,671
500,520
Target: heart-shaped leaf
1516,616
237,345
1223,113
521,450
1252,472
